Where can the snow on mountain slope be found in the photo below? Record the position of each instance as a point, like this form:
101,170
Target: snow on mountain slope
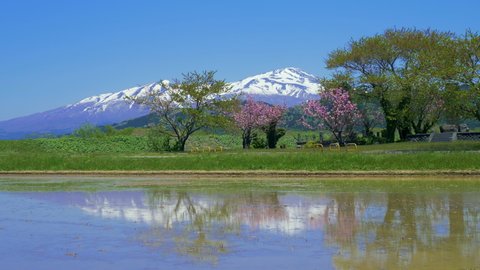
289,86
98,110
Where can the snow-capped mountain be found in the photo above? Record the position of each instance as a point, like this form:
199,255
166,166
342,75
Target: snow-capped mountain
288,86
104,109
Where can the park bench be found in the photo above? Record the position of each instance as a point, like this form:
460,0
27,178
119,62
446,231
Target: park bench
351,146
334,146
207,149
348,146
319,145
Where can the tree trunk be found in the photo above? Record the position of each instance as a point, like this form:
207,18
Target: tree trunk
423,126
271,135
246,138
426,128
404,131
390,119
390,130
368,130
181,145
340,138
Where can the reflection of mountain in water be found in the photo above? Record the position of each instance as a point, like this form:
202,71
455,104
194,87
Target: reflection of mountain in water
368,230
271,212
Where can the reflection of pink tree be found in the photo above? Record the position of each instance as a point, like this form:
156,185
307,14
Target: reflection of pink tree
258,210
342,226
256,115
334,111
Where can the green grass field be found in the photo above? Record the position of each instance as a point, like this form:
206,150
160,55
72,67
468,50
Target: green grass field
131,153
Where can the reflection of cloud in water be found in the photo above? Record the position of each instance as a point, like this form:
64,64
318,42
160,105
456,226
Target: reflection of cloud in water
367,230
283,217
164,215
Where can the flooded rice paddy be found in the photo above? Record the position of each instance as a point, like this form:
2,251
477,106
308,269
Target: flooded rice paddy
414,224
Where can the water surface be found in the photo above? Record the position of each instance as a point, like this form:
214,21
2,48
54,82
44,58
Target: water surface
353,227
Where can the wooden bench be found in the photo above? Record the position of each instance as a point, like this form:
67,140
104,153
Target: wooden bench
319,145
334,146
207,149
351,146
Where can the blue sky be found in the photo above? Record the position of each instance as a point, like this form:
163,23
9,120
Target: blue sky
53,53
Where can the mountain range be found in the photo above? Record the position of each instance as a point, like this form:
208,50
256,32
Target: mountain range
287,86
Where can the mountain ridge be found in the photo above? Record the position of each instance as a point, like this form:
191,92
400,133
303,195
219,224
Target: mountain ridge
288,86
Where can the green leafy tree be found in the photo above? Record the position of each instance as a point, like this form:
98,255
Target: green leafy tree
183,107
464,91
395,67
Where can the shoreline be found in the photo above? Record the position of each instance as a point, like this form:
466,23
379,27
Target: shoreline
244,174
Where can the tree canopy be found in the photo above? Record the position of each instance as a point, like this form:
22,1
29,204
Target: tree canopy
405,70
196,102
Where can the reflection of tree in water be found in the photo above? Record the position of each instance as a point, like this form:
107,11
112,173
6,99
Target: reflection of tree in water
256,209
410,236
341,221
199,229
370,230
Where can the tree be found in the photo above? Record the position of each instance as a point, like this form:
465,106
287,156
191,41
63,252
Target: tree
188,105
292,116
396,67
255,114
334,111
424,109
250,116
367,105
273,134
371,116
464,90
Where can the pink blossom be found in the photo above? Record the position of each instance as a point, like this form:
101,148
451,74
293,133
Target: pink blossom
256,115
334,111
251,115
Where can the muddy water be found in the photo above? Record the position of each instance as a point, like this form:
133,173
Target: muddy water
244,229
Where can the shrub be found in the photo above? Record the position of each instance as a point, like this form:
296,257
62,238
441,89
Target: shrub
258,142
310,144
88,131
158,142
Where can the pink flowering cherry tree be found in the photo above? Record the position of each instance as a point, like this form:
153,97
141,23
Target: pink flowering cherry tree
254,114
334,111
250,116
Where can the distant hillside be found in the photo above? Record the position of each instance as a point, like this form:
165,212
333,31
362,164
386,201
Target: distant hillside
288,86
290,120
142,121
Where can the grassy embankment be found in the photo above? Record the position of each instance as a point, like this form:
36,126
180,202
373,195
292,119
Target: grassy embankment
129,153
